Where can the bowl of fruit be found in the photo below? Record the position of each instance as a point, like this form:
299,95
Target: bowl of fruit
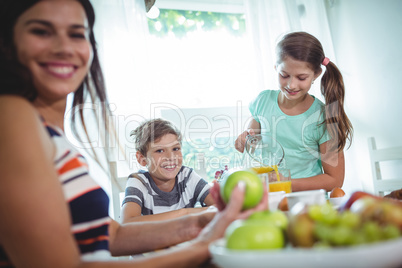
365,231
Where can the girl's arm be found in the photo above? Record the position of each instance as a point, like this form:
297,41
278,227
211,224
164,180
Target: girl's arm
253,128
333,163
131,212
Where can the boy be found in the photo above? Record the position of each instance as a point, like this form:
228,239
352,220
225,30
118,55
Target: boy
168,189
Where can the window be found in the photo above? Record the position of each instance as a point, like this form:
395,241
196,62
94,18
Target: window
203,82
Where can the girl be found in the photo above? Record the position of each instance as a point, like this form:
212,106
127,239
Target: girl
53,214
313,134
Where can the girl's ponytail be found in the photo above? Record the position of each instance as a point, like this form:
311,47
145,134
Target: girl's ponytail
336,120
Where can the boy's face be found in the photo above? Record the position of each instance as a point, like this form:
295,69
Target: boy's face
164,158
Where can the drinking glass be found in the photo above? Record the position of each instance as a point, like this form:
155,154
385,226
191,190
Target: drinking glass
279,180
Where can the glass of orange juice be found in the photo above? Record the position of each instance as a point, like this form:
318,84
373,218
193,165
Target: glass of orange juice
279,180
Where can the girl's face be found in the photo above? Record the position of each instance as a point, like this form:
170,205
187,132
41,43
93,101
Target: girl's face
52,41
164,158
295,78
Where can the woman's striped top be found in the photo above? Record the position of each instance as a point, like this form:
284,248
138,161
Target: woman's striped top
88,202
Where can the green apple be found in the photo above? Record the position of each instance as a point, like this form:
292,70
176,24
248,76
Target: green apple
259,215
253,234
276,218
254,187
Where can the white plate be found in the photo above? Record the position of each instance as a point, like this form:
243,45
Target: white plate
338,201
383,254
312,197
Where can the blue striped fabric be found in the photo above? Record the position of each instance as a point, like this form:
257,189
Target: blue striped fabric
88,202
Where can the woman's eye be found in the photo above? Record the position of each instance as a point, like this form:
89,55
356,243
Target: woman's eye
176,149
302,79
78,35
159,151
284,76
40,32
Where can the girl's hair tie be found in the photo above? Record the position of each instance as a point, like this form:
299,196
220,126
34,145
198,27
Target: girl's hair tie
325,61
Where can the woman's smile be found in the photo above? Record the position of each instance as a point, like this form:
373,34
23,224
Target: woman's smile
59,70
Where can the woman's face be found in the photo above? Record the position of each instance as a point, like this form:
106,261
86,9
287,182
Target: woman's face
52,41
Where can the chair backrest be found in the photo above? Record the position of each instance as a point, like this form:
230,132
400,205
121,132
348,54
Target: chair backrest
383,185
118,186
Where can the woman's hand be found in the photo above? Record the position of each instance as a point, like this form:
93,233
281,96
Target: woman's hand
230,212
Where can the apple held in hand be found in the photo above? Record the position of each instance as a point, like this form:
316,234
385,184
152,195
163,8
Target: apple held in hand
253,234
254,189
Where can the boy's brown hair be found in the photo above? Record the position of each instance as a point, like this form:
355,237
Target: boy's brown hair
151,131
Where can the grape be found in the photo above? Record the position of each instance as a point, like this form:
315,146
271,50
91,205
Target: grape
390,231
349,219
372,231
332,228
323,213
322,245
358,238
341,235
322,232
330,215
314,211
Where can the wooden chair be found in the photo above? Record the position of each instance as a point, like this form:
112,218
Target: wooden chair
382,185
118,186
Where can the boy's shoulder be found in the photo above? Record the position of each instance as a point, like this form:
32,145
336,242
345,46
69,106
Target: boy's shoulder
185,171
140,176
189,174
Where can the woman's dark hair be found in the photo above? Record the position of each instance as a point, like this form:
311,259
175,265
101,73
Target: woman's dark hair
302,46
16,79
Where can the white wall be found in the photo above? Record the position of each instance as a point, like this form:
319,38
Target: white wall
367,38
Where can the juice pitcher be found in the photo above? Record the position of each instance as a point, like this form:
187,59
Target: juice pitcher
264,152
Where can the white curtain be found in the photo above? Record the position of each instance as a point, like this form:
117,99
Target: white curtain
268,20
121,32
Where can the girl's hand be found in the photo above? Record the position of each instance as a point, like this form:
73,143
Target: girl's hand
241,139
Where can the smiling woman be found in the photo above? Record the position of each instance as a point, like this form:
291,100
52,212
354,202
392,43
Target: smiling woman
47,52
